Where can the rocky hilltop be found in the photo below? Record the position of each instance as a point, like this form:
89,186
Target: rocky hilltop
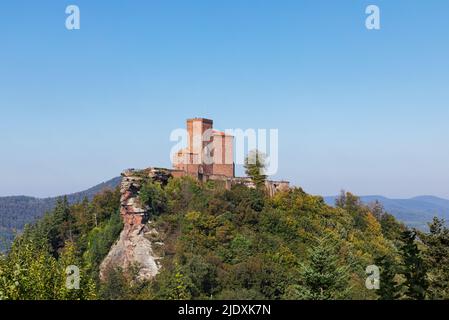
139,241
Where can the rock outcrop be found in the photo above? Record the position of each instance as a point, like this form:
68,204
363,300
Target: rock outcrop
133,249
139,241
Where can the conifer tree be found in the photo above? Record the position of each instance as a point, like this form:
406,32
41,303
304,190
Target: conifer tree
323,278
60,225
413,267
437,258
389,288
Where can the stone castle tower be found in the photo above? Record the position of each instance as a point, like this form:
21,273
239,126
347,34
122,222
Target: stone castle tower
209,153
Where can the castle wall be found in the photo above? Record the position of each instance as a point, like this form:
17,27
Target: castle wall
227,170
196,129
192,159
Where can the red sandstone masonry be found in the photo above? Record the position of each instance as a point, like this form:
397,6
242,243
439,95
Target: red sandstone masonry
191,160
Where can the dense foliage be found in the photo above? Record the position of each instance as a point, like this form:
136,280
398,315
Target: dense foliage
18,211
241,244
38,265
232,244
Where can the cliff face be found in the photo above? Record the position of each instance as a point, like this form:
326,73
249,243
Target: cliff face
133,249
139,241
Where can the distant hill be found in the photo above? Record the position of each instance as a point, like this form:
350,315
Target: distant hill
415,212
17,211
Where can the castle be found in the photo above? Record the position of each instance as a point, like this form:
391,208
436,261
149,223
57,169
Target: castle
209,153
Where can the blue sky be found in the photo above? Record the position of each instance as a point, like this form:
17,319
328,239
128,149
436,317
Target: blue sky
362,110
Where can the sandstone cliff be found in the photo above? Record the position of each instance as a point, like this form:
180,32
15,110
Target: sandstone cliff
139,242
133,249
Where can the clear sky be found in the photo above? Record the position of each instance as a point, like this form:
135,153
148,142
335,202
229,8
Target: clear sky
362,110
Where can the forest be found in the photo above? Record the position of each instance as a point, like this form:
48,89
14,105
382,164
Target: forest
231,244
18,211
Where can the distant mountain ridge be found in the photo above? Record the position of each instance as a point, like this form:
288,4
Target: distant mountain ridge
414,212
17,211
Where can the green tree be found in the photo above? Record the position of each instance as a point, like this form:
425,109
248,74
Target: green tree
100,240
389,287
174,284
28,273
60,225
413,267
323,277
115,286
437,259
152,195
255,168
66,290
391,228
353,205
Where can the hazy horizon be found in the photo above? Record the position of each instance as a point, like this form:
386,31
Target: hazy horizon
323,195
